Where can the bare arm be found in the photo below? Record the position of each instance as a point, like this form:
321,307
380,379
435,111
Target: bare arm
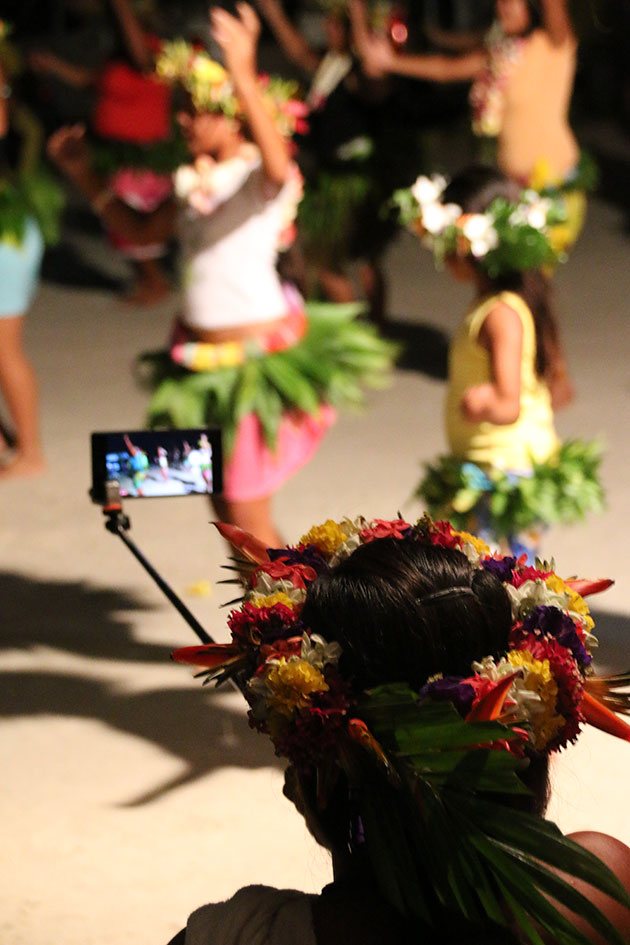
238,38
293,44
556,21
380,58
133,35
4,103
44,62
67,149
498,401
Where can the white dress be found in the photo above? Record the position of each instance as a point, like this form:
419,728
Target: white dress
255,915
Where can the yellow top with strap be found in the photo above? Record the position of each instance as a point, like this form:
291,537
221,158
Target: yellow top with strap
512,446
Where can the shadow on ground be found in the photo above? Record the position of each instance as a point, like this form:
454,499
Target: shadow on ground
72,616
424,347
191,724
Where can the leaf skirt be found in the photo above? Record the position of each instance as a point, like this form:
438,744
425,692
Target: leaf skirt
562,490
273,408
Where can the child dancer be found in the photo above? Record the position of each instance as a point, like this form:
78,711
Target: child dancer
507,474
522,81
30,204
243,355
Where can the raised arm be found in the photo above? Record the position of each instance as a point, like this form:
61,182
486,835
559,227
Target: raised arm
557,21
133,35
380,58
68,150
291,41
43,62
238,37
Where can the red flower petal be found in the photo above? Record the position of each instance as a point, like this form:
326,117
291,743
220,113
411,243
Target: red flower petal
584,586
251,547
211,656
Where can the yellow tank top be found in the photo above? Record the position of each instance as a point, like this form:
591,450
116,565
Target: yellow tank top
511,446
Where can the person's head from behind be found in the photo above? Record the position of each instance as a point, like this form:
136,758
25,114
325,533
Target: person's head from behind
517,17
474,190
403,611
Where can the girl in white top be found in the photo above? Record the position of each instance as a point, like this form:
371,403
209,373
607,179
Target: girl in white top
232,204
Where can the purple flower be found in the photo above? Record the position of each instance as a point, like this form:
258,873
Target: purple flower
554,623
308,555
500,567
450,689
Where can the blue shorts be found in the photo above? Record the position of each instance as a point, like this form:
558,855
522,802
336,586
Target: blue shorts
19,271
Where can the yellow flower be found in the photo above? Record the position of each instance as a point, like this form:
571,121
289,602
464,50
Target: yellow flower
480,546
537,681
290,683
268,600
575,602
327,537
208,71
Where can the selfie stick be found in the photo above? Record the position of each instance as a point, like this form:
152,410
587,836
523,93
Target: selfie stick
119,524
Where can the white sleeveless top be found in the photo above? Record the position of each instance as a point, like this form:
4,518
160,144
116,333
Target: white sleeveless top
255,915
228,252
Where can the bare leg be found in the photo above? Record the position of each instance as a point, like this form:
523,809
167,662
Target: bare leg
151,284
337,286
19,388
253,517
373,283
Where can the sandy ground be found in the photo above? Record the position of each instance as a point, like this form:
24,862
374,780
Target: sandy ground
129,795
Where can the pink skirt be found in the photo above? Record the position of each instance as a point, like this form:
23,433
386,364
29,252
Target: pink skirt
254,471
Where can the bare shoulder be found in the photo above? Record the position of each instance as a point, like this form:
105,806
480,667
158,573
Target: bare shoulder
502,321
614,853
616,856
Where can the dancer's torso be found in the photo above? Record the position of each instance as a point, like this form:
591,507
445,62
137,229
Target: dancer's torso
535,117
511,446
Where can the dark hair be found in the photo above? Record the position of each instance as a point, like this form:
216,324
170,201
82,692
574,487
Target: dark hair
474,190
380,604
383,605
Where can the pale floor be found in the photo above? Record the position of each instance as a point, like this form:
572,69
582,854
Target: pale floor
129,795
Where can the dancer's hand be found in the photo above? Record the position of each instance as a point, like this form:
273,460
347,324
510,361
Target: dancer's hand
238,38
477,402
67,148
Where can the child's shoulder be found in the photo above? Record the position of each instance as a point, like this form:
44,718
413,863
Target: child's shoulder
498,306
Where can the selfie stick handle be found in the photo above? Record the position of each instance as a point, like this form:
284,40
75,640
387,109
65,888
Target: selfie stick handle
118,524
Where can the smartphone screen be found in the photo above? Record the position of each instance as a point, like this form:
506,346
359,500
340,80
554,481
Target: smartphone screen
155,463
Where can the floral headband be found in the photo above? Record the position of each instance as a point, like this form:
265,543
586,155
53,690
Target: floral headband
507,237
211,89
453,746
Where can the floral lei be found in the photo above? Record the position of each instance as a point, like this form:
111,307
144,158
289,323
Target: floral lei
446,751
298,695
487,95
507,237
210,86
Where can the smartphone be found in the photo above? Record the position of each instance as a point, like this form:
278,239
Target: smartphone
155,463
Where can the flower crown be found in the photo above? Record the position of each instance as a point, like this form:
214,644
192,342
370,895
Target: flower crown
211,89
453,746
507,237
543,684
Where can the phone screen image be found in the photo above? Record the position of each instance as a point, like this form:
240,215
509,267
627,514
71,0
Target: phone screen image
153,464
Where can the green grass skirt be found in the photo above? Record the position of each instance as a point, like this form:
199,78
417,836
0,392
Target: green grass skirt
338,357
560,491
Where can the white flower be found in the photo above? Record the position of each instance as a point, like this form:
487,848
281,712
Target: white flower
428,189
316,651
537,213
480,232
534,594
436,217
186,180
297,595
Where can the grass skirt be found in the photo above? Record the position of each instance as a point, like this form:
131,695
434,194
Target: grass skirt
273,408
560,491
